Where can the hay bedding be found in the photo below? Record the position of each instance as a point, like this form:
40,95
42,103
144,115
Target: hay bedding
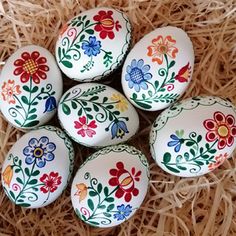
173,206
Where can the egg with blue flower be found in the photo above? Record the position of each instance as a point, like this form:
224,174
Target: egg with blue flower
158,69
93,44
96,115
38,167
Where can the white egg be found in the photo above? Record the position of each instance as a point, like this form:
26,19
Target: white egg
30,87
97,115
93,44
110,186
158,69
38,167
194,136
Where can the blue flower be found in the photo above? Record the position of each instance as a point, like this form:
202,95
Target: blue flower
50,104
123,212
118,129
39,151
137,75
91,47
176,141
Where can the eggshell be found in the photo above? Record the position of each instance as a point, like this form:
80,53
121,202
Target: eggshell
110,186
158,69
38,167
30,87
93,44
194,136
97,115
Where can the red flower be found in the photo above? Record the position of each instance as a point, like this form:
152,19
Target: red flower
106,24
9,89
31,65
125,181
184,74
219,161
84,128
222,128
51,182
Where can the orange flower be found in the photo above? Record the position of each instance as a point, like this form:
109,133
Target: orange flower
161,47
218,161
82,191
9,89
184,74
63,29
7,175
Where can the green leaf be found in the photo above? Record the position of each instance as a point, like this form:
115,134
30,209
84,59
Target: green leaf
32,123
66,109
68,57
109,107
95,107
74,105
26,88
90,117
83,18
35,173
20,162
12,194
77,46
201,150
94,98
109,199
189,143
92,193
24,205
192,152
199,163
172,63
33,181
17,122
172,169
150,93
87,23
102,207
167,157
106,191
17,170
32,110
212,151
25,100
110,207
99,188
59,52
67,64
116,113
106,214
90,204
93,223
82,37
156,84
19,180
32,117
105,99
20,200
181,167
110,116
35,89
80,112
84,218
27,171
143,105
205,156
199,138
134,96
88,109
36,103
89,31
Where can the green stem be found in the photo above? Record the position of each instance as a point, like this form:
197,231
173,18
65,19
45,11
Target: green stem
20,105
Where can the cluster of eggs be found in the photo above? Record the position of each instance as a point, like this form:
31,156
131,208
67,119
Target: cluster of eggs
188,139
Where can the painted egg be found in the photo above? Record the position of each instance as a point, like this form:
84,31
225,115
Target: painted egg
158,69
108,196
30,87
97,115
194,136
38,167
93,44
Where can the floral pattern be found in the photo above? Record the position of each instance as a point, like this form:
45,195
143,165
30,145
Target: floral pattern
221,128
10,91
218,161
106,24
51,182
122,105
137,75
51,104
31,66
7,175
85,128
176,141
91,47
39,151
118,129
82,191
123,212
160,47
184,74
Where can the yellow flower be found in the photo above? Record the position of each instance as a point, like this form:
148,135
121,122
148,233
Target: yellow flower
7,175
122,104
82,191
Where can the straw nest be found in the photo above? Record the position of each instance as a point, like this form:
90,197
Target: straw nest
173,206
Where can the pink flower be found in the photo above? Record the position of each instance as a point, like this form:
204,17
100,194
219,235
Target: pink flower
84,127
50,181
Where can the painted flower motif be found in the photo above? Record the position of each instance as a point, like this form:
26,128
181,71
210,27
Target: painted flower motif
160,47
123,212
51,182
184,74
9,89
175,142
85,128
221,128
137,75
125,181
91,47
82,191
118,129
122,104
106,24
50,104
63,29
7,175
39,151
218,161
31,66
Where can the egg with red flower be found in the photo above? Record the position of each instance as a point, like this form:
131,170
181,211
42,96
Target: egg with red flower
30,87
110,195
195,136
93,44
38,167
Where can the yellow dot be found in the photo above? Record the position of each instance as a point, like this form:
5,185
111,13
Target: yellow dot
223,131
